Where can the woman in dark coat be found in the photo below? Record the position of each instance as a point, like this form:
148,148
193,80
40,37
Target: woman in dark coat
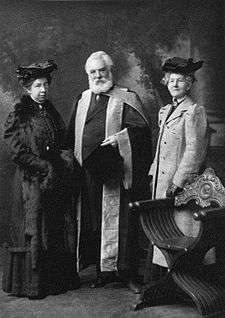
43,187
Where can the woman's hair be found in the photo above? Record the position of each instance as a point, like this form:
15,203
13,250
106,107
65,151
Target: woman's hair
27,84
188,77
100,55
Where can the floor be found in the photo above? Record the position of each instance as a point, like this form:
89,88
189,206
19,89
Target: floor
107,302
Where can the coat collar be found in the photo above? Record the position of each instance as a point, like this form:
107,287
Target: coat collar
181,108
126,96
28,105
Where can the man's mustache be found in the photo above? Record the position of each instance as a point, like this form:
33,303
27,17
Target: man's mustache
100,81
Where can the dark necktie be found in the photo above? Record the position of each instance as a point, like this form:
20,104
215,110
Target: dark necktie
174,106
175,103
94,103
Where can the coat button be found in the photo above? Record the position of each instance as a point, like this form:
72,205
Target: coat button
47,148
164,142
163,172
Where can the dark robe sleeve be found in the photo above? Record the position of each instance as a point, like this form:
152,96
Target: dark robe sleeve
140,138
17,139
69,144
59,126
70,131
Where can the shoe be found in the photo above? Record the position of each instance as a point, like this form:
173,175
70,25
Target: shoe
97,283
134,286
73,283
73,286
36,297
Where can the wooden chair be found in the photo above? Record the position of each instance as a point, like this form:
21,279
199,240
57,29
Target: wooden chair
188,277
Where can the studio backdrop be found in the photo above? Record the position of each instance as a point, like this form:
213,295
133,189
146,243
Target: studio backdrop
139,36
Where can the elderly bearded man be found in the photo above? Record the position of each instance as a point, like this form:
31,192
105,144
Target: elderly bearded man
111,139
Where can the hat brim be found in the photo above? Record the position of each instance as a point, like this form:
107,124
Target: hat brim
179,69
26,74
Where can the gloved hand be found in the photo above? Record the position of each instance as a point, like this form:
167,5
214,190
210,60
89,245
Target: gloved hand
68,159
47,181
172,191
150,180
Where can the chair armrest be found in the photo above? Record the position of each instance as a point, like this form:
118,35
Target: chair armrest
203,215
147,205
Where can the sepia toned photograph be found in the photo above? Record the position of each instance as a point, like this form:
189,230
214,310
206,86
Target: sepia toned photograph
112,161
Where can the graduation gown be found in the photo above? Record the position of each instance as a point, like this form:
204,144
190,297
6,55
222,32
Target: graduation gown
119,113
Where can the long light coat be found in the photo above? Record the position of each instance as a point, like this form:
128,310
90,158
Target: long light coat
181,146
180,152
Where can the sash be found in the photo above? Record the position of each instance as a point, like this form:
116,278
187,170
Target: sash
112,189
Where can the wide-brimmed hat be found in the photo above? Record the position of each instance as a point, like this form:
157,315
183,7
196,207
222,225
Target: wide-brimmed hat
27,74
181,66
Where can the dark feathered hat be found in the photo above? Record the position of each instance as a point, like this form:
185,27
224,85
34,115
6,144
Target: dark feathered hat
181,66
27,74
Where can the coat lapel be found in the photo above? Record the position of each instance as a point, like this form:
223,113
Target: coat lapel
81,115
181,108
165,115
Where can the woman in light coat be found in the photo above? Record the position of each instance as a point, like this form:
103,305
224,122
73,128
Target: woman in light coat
182,141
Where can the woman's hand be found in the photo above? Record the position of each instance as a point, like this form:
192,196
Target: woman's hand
47,179
68,158
172,191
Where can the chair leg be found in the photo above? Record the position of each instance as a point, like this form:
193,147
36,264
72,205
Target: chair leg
148,265
158,293
206,288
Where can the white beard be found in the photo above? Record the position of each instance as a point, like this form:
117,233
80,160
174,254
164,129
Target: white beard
100,87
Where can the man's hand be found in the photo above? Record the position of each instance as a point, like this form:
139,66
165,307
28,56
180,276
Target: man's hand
111,140
172,191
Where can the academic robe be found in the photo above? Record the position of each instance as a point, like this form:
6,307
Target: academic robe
119,113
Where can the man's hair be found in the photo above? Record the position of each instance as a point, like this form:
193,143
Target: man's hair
100,55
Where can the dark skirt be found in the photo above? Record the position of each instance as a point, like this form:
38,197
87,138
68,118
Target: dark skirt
55,273
55,270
